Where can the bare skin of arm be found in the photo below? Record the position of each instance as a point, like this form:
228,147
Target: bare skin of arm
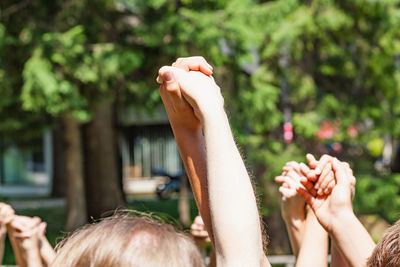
314,248
47,252
188,133
308,239
293,206
6,216
3,232
335,213
24,240
337,258
227,179
326,183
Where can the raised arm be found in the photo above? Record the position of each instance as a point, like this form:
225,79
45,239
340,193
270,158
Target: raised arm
6,216
321,172
337,259
47,252
230,186
308,239
24,240
314,248
335,214
188,133
3,233
231,198
292,204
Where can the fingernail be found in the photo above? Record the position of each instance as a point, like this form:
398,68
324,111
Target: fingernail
168,76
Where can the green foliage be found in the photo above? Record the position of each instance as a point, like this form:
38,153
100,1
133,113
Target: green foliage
65,73
42,89
378,195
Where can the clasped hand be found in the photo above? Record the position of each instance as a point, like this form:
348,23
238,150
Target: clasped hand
189,92
327,185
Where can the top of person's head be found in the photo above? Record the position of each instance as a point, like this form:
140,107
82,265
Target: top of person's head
387,251
127,240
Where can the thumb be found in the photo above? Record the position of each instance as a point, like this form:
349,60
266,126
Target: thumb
312,162
169,81
307,196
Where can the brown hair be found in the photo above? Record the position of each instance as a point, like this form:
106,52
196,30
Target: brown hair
126,240
387,252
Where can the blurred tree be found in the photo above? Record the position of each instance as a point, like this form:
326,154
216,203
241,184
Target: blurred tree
74,75
72,72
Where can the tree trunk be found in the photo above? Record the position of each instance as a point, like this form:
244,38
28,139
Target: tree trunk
183,203
103,192
76,203
59,179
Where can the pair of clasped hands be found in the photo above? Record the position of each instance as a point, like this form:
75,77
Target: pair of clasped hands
189,92
327,185
22,228
27,236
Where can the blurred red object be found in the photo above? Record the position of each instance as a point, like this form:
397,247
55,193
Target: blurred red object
352,131
288,132
326,131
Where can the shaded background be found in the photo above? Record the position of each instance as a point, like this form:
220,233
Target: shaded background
81,118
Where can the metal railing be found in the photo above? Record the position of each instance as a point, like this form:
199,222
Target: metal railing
288,260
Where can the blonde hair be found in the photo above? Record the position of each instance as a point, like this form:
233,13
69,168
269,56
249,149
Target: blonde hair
126,240
387,251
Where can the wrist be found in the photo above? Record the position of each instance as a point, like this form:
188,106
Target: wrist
341,220
293,214
3,230
295,223
213,115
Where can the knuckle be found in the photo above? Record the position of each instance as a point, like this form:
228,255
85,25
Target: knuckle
199,57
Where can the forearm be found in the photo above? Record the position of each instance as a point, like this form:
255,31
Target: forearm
25,257
337,258
47,252
231,195
192,149
32,258
2,245
213,260
14,244
295,230
314,247
352,239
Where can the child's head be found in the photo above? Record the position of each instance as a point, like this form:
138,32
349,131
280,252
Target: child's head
387,251
126,240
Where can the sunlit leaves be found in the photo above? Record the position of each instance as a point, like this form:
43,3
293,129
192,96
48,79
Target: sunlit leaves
43,90
64,64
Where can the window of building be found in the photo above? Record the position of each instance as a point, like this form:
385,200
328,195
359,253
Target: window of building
27,165
150,147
